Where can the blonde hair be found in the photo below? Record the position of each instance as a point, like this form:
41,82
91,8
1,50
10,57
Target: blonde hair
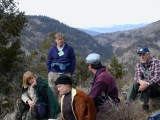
26,76
57,35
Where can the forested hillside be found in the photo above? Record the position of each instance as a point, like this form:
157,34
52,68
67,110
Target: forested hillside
124,39
125,43
40,27
121,44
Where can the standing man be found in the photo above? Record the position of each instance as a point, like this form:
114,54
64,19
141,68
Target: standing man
146,80
61,60
103,83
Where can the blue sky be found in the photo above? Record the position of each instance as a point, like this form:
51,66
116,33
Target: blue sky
94,13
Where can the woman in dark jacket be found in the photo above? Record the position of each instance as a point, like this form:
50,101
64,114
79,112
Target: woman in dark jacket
35,91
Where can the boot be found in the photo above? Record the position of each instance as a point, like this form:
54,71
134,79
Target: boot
18,116
146,108
21,108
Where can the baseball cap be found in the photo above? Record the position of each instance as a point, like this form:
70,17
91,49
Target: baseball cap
142,50
93,58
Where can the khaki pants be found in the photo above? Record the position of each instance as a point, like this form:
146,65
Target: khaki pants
52,77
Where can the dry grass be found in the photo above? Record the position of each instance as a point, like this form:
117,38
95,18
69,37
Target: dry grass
131,111
123,111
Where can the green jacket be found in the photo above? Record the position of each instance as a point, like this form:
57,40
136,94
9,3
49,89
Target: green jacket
44,93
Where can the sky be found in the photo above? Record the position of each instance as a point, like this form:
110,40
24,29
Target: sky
94,13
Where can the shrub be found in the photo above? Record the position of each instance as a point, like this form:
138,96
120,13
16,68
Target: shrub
110,111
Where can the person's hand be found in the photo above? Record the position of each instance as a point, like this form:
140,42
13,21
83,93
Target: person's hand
143,85
142,82
33,84
142,88
31,103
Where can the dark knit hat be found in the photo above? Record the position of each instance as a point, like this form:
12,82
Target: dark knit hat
64,79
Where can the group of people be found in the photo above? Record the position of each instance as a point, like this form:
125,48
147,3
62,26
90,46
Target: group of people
74,104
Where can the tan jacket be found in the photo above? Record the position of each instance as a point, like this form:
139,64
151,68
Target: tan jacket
29,94
82,106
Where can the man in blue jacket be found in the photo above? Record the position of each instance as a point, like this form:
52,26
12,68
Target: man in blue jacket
61,60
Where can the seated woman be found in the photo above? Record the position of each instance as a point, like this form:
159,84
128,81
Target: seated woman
36,90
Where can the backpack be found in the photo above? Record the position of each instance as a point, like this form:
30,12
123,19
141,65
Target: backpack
41,109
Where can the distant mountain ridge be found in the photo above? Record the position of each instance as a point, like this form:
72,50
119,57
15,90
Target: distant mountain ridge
90,32
126,43
133,35
114,28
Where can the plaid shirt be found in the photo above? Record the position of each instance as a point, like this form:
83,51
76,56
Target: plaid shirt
149,72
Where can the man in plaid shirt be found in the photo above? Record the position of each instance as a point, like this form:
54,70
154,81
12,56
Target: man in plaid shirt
147,78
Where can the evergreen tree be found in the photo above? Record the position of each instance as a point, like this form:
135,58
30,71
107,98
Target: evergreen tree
12,21
36,61
115,68
82,73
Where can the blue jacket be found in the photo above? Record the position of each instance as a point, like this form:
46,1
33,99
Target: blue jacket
64,63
